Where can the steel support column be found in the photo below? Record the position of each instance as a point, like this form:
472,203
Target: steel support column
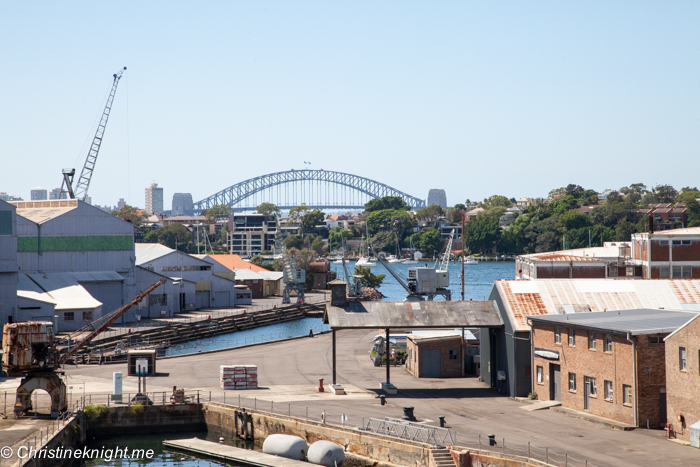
388,349
334,365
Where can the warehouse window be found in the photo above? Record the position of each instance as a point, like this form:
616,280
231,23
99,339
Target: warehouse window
557,335
572,338
682,363
540,374
454,354
664,272
68,316
572,381
656,340
591,340
608,343
627,394
87,315
608,390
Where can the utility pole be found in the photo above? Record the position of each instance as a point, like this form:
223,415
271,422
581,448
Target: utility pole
464,214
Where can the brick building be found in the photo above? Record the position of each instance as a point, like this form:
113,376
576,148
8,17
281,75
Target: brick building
669,254
435,355
683,378
507,350
609,364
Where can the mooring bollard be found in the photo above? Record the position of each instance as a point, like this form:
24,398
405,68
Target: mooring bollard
320,385
492,440
382,399
442,421
408,414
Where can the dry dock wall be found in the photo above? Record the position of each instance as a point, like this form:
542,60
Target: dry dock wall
366,449
144,419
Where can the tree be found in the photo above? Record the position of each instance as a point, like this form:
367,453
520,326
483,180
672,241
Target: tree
297,213
482,233
130,214
689,198
387,202
311,219
634,192
317,245
431,214
379,220
260,261
496,200
572,220
171,236
427,241
660,194
336,236
292,241
384,240
268,209
455,213
216,211
369,279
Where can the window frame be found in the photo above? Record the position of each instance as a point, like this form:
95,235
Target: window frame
540,374
592,341
682,359
627,394
572,337
572,382
453,355
608,343
68,316
608,390
557,335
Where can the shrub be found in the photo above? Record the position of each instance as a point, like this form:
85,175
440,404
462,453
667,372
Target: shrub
95,412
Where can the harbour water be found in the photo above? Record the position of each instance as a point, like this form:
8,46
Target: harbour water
161,456
478,278
478,281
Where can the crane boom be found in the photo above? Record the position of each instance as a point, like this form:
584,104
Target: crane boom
385,263
445,262
81,189
112,317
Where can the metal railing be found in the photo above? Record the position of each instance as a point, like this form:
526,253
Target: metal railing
419,432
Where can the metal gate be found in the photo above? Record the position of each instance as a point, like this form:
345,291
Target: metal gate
430,363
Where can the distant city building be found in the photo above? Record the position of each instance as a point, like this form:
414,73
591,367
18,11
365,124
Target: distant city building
38,194
56,194
182,204
154,199
6,197
88,200
121,203
437,196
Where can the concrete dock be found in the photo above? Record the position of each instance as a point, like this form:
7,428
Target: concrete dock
230,453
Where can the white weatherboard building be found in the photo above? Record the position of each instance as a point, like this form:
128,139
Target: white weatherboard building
212,288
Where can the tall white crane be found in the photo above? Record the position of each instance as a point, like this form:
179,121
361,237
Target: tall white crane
81,190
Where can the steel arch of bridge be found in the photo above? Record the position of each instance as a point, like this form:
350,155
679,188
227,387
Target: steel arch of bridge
235,194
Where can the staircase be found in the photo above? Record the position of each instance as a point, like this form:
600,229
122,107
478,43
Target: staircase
442,458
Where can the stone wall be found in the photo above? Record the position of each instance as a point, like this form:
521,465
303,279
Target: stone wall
381,449
138,419
475,458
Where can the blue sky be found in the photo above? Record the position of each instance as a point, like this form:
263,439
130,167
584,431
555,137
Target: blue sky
478,98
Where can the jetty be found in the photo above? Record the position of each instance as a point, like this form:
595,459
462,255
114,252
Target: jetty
233,454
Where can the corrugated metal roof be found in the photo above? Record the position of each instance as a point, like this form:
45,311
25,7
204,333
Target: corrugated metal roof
555,256
429,314
548,296
145,256
61,289
151,246
641,321
98,276
247,275
272,275
233,262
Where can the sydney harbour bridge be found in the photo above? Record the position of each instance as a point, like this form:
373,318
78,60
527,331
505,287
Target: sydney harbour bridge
323,189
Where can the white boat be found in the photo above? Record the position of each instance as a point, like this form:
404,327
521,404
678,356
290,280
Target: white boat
366,262
470,260
393,259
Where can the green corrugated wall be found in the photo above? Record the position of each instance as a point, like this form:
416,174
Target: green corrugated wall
102,243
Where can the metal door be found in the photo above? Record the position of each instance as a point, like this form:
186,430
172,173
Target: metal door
430,363
662,405
554,382
183,302
586,393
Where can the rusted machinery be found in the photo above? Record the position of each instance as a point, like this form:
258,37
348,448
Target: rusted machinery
31,350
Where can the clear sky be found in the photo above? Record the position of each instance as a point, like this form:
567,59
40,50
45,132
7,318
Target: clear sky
479,98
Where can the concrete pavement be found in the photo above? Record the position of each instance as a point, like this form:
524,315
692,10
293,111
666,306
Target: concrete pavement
288,377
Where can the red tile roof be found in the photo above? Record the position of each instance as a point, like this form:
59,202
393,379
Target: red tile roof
234,262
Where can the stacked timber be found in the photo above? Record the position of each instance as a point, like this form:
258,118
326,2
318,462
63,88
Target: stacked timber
238,376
